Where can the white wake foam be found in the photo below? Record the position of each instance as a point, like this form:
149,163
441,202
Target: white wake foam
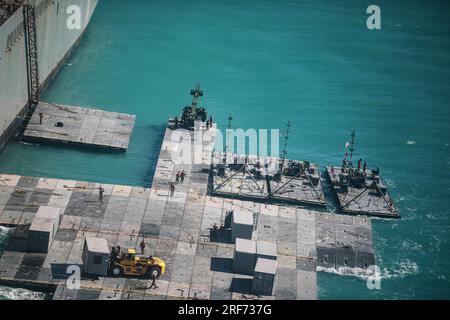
345,271
4,229
20,294
16,293
398,270
4,234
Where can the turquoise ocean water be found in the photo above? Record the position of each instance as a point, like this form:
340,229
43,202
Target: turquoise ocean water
267,62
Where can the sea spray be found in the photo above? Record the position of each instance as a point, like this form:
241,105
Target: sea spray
399,270
5,234
7,293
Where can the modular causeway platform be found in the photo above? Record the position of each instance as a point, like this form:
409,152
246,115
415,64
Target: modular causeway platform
248,178
358,189
370,198
179,229
80,126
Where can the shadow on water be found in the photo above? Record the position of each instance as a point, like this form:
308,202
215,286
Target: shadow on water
157,136
332,203
5,238
93,149
83,162
155,131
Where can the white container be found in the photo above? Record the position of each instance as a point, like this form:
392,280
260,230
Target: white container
50,213
264,276
241,225
40,234
266,250
244,256
96,255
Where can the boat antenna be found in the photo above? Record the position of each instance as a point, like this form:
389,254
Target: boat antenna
352,145
197,92
286,137
225,148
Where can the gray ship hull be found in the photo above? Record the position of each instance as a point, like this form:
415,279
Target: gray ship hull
56,43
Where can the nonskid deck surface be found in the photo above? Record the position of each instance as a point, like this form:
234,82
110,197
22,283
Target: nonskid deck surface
362,200
81,126
178,229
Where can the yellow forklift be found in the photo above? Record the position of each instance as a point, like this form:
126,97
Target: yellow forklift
129,263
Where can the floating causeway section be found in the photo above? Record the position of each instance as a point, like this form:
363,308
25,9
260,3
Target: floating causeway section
252,182
344,243
362,200
81,126
177,228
